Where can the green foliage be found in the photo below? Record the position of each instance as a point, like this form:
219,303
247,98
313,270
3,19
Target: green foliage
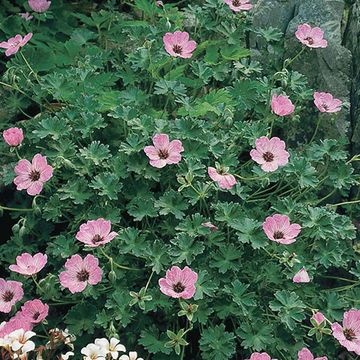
100,86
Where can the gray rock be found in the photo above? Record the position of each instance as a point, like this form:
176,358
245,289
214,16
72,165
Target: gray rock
335,69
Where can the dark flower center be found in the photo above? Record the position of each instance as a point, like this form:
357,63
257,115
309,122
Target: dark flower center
97,238
236,3
163,154
34,175
178,287
83,275
8,296
349,334
177,49
325,106
268,156
278,235
36,315
310,40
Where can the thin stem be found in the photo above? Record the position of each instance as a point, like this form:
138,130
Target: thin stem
344,203
288,63
148,282
316,130
250,178
29,66
14,209
115,263
37,284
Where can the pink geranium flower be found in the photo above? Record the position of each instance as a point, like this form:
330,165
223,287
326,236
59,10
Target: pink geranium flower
178,44
311,37
179,283
301,277
305,354
348,334
32,176
39,6
15,323
13,136
96,232
164,152
325,102
270,153
35,311
14,44
318,317
210,226
224,180
26,16
281,105
80,272
238,5
260,356
10,293
29,265
278,228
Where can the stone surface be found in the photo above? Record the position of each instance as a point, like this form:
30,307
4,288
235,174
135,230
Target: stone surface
334,69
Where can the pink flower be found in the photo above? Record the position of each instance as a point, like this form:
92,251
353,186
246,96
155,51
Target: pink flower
39,6
325,102
281,105
179,283
163,152
159,3
13,136
260,356
10,293
14,44
35,311
301,277
29,265
278,228
224,180
238,5
270,153
311,37
210,226
80,272
318,317
348,335
15,323
32,176
178,44
26,16
96,232
305,354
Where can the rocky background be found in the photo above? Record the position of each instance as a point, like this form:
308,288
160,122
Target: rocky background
335,69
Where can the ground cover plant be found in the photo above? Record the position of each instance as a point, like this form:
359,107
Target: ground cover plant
167,195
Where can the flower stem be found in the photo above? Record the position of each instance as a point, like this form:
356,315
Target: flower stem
344,203
37,284
14,209
115,263
288,63
316,130
29,66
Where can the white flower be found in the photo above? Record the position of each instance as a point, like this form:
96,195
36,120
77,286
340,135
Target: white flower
93,352
66,356
113,347
132,356
19,339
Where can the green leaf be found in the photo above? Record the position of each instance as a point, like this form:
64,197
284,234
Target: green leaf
153,342
217,344
289,307
81,318
234,52
255,337
172,203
